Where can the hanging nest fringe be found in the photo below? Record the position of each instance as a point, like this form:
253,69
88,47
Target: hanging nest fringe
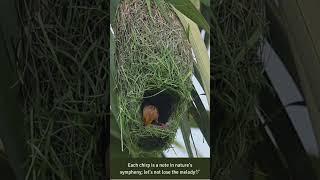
154,66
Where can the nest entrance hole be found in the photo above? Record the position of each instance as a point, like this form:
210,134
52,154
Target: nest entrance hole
165,101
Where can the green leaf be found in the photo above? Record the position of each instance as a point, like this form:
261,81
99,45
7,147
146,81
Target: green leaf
297,103
205,2
196,4
113,9
188,32
300,25
115,131
200,115
114,128
113,93
190,11
149,7
253,40
186,131
197,74
203,64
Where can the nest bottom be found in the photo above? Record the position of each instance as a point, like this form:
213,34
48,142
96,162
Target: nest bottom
152,143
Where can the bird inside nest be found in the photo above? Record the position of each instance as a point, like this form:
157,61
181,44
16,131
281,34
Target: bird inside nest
151,116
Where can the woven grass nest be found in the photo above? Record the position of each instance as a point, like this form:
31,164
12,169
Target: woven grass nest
154,66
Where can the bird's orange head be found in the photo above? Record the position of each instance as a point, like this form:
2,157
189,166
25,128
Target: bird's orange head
150,114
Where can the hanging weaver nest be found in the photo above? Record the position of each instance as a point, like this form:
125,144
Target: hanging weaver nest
62,60
154,66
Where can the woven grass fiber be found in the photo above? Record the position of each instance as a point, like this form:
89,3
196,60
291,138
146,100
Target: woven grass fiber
154,65
63,70
238,29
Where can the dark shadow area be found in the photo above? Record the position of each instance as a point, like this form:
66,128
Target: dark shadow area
151,143
164,101
294,159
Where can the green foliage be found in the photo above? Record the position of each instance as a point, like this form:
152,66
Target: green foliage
238,27
201,72
186,134
64,74
201,116
298,19
206,2
113,8
190,11
202,65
